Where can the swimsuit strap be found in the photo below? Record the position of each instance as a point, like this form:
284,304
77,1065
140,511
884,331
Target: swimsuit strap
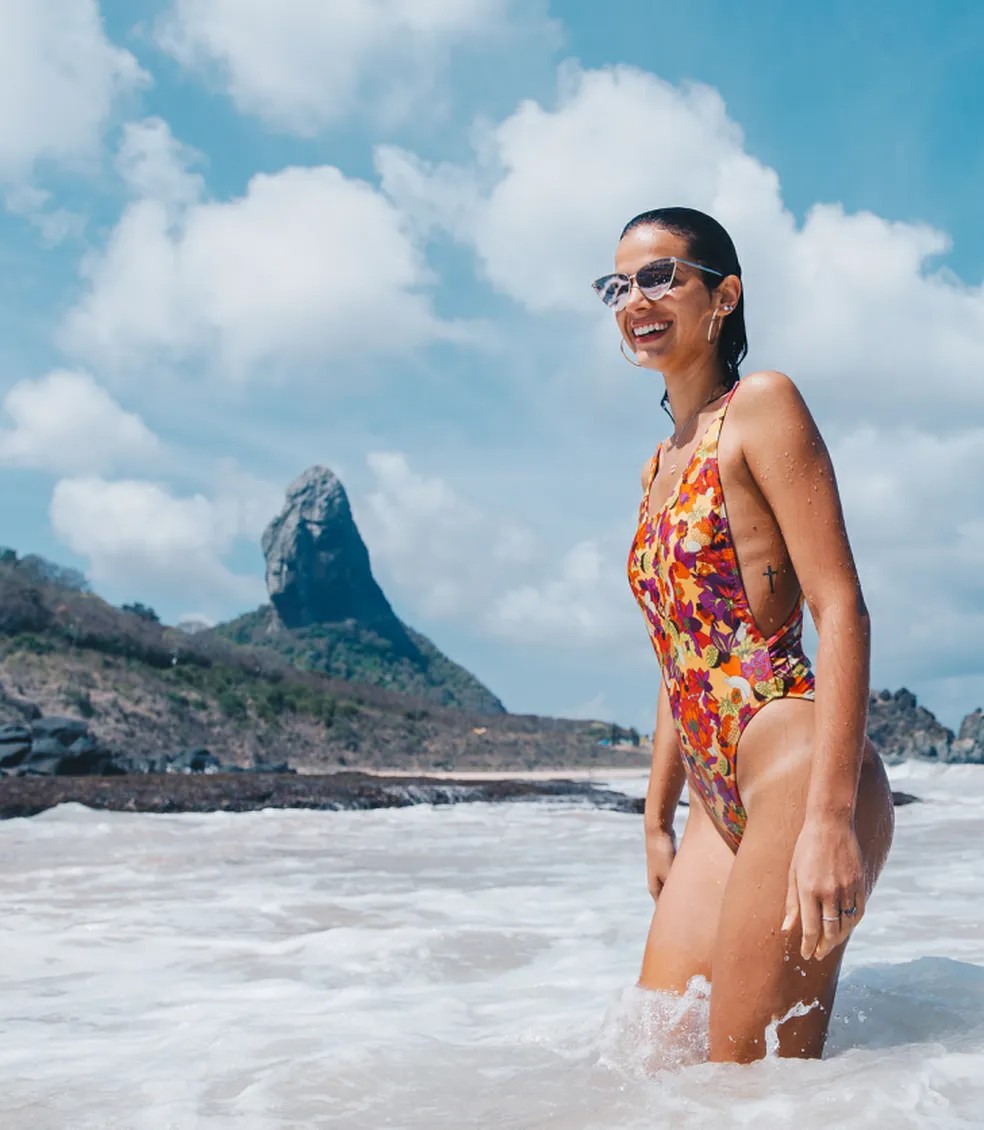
706,438
712,435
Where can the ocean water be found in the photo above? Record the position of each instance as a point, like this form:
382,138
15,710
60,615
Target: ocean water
458,967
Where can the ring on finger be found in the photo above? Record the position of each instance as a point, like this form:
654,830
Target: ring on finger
824,918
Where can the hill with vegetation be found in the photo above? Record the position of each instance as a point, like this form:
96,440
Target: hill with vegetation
147,689
409,663
327,612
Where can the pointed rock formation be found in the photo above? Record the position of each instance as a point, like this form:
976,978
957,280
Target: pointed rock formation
328,613
317,565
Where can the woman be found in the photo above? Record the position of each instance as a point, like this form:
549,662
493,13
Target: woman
783,843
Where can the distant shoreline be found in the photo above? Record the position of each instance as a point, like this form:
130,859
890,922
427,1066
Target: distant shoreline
614,773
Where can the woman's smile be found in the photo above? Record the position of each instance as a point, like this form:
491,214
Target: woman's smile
646,332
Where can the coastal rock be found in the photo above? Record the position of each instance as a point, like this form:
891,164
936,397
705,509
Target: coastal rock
55,747
968,747
193,761
317,565
899,728
64,747
58,729
246,792
15,745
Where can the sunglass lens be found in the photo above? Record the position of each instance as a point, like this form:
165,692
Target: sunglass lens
612,290
656,278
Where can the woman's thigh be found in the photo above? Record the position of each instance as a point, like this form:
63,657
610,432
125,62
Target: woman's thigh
759,976
685,922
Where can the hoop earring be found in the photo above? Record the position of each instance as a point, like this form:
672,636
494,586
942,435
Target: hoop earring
621,349
711,335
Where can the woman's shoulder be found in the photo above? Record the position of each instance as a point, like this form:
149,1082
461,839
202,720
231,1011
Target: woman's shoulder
767,396
771,413
768,383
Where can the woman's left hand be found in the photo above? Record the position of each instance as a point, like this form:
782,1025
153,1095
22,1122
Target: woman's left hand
826,891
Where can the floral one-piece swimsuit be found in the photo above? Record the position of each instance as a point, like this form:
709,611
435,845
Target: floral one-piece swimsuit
718,668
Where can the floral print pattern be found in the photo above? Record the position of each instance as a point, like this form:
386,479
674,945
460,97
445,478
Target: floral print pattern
718,668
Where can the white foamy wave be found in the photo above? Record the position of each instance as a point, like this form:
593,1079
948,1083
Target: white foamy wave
646,1031
462,968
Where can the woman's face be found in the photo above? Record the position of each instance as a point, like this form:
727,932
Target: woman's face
669,334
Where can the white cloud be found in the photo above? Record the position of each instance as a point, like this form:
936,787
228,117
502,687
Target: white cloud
845,302
302,64
308,266
155,165
437,546
244,502
60,79
582,598
55,225
139,538
912,503
451,558
66,423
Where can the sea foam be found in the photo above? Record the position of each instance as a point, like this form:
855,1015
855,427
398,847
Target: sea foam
458,967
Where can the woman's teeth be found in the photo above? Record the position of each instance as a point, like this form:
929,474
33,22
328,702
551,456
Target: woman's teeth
652,328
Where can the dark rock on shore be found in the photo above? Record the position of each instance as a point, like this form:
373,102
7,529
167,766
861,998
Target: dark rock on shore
246,792
55,746
64,747
900,728
968,747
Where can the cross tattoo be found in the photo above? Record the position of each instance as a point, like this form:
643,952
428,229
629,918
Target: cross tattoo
770,573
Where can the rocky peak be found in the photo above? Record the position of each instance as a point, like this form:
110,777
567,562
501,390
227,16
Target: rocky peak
317,565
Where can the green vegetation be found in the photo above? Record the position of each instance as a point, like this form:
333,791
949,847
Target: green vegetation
355,654
144,611
33,567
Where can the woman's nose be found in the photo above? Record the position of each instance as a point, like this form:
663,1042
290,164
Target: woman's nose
635,295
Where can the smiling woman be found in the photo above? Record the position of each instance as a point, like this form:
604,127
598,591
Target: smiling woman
783,845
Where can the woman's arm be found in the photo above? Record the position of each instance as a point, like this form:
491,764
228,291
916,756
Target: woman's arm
666,781
791,465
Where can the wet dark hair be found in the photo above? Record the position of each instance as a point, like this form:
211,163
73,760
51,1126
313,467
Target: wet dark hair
711,246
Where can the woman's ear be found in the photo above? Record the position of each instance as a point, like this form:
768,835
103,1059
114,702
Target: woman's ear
729,291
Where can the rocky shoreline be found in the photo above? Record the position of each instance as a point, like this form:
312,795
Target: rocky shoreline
249,792
332,792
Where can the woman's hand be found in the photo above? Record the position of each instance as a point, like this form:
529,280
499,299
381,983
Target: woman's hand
826,891
660,852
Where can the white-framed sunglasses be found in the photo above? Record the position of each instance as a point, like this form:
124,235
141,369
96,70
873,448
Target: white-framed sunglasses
654,280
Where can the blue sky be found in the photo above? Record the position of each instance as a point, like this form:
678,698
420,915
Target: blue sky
242,238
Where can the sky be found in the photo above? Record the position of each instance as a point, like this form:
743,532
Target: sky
242,237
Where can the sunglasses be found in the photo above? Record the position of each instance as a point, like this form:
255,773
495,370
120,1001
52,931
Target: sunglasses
654,280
